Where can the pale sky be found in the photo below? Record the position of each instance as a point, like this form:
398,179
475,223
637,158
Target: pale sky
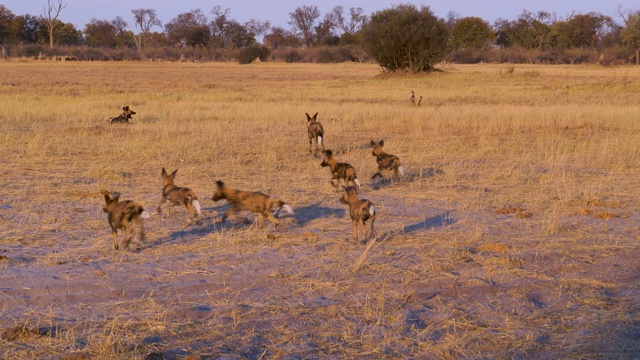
80,12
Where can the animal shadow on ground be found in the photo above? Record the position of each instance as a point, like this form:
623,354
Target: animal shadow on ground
305,214
433,222
424,173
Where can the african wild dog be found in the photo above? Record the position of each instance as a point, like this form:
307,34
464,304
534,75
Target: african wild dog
413,100
255,202
124,117
315,132
339,171
360,210
123,215
176,195
386,161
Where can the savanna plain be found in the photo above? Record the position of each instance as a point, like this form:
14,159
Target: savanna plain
514,235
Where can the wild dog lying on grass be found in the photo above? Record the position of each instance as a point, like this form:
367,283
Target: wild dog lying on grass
123,215
122,118
360,210
339,171
315,132
386,161
255,202
176,195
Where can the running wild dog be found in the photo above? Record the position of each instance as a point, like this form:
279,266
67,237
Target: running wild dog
386,162
360,210
255,202
176,195
124,117
339,171
123,215
315,132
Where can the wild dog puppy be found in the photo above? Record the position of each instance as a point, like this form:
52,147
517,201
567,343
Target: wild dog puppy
122,118
360,210
255,202
386,162
123,215
339,171
176,195
316,133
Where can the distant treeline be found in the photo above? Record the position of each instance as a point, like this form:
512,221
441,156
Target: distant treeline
539,37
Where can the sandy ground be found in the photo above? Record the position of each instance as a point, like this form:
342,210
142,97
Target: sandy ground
306,290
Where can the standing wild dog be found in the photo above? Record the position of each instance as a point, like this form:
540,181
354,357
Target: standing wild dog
386,161
339,171
124,117
176,195
255,202
123,215
360,210
315,132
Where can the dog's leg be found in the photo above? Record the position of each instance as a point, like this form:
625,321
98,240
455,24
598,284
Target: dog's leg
159,209
115,239
271,218
364,230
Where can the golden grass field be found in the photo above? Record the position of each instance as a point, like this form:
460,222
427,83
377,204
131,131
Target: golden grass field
515,236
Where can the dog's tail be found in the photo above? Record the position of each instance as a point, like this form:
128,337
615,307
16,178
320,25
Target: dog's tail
283,206
401,170
145,214
319,139
357,182
196,204
372,210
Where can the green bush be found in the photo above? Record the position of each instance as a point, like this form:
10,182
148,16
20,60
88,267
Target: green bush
248,54
404,37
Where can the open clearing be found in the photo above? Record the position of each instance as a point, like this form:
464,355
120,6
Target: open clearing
516,234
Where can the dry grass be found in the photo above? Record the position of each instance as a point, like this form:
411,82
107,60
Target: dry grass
516,235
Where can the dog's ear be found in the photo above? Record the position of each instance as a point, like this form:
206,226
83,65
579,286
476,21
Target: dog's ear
381,142
373,143
164,172
173,174
315,117
308,117
219,184
328,152
126,108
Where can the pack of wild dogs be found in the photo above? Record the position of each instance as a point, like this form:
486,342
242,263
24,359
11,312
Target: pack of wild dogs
126,215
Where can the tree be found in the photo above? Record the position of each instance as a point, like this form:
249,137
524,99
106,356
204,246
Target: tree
303,21
189,29
404,37
529,31
123,36
352,24
630,34
582,31
50,15
280,37
29,29
145,19
7,28
471,32
100,33
67,34
324,32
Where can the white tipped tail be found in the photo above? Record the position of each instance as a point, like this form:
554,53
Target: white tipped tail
145,215
319,140
196,204
372,210
401,170
287,209
357,182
